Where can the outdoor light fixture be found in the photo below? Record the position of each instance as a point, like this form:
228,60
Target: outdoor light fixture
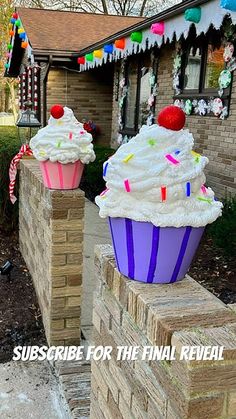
6,268
27,121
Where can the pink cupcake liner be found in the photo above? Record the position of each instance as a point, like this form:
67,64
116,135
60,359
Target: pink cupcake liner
61,176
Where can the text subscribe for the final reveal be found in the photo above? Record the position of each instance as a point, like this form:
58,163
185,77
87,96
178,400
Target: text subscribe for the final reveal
121,353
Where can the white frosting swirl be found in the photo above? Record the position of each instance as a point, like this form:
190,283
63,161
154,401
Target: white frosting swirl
63,140
144,166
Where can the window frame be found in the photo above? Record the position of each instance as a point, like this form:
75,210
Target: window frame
127,130
202,42
140,61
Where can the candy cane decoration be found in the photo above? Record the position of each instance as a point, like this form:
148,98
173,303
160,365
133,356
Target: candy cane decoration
23,89
35,93
25,149
29,83
19,92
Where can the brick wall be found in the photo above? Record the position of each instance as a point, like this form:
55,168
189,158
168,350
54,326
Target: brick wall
128,313
51,242
89,94
214,138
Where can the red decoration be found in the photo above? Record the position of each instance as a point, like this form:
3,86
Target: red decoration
57,111
163,193
171,117
120,43
15,15
11,33
81,60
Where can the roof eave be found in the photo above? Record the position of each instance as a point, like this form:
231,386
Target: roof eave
44,54
165,14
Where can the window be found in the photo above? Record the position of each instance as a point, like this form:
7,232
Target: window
145,92
202,63
131,98
192,70
138,76
214,65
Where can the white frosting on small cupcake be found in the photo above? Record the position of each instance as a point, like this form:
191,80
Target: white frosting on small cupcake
157,178
63,140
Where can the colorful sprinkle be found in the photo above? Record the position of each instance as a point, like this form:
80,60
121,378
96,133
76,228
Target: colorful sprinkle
194,154
172,159
127,185
163,193
200,198
203,189
42,153
82,132
59,144
177,152
152,142
197,159
127,158
105,169
70,135
59,122
104,192
188,188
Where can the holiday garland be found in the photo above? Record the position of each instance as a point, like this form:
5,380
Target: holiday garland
123,92
214,105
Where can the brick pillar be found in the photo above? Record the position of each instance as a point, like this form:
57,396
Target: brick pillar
51,242
129,313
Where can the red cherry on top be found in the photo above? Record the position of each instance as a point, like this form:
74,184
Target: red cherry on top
15,15
171,117
57,111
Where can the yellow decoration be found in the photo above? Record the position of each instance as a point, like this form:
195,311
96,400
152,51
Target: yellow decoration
21,30
98,53
126,159
194,154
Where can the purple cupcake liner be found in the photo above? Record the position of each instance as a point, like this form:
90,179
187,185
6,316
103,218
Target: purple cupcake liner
152,254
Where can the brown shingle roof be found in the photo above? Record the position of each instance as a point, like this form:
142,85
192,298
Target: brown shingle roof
55,30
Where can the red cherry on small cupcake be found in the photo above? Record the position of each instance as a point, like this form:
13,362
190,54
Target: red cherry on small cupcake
171,117
57,111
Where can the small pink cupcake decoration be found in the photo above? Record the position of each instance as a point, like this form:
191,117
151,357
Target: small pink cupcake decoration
62,148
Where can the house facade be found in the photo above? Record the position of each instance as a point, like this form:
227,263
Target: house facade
122,71
185,56
42,55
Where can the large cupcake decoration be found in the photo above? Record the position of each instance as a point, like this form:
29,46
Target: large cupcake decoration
157,201
62,147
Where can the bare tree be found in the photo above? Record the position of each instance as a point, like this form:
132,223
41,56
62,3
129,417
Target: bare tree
119,7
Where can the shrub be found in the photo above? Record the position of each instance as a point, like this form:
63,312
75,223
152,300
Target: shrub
223,230
92,182
9,147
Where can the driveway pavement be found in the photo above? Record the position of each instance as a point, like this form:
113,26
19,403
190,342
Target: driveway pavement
29,390
96,231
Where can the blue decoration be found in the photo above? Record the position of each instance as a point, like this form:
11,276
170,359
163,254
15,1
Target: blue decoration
22,35
193,14
228,4
12,20
108,48
188,188
105,169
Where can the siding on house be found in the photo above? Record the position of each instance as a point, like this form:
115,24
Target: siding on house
88,94
214,138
